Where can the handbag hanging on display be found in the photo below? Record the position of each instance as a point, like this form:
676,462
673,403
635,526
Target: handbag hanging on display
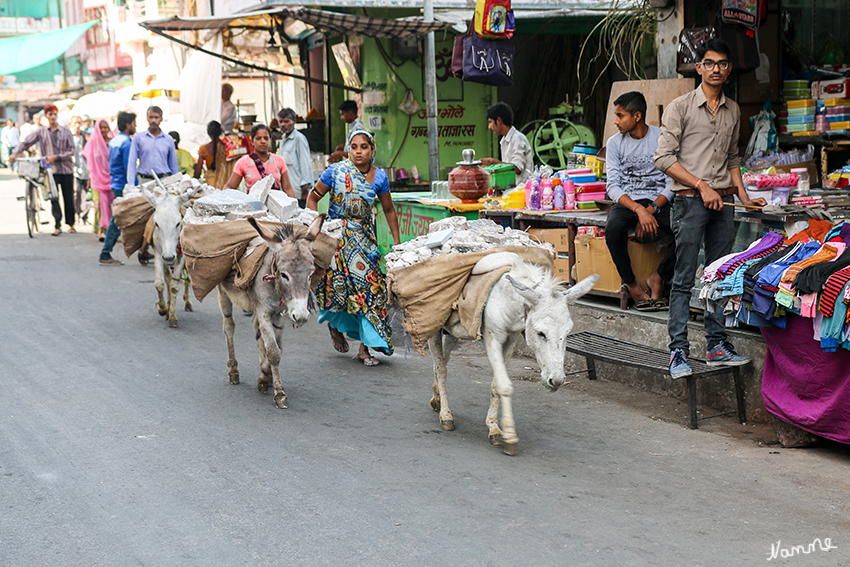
690,39
457,51
490,62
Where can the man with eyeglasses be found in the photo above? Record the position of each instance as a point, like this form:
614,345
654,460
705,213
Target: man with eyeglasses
698,148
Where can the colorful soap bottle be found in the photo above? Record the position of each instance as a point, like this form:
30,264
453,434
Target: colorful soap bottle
569,194
547,196
558,189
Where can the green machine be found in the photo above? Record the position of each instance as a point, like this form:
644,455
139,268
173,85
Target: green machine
553,139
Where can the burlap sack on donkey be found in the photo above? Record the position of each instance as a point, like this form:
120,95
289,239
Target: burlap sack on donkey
132,216
428,291
212,251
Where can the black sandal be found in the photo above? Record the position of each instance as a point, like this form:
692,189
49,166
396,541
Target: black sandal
339,345
661,304
646,305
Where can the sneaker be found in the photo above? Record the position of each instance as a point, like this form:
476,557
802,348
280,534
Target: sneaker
111,262
724,355
679,364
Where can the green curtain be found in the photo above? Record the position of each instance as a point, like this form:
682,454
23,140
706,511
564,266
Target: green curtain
27,51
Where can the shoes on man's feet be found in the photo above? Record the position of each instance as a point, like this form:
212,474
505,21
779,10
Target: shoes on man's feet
111,262
679,367
724,355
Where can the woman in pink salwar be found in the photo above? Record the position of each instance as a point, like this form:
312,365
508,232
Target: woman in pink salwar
97,158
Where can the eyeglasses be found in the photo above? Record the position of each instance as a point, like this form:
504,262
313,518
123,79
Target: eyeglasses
709,64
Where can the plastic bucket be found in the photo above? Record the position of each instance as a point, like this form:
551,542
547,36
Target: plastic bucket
779,195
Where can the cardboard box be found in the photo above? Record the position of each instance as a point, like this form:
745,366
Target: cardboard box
809,165
559,238
836,88
593,257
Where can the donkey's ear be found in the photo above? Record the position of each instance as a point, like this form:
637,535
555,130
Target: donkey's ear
150,196
581,288
526,292
270,236
315,228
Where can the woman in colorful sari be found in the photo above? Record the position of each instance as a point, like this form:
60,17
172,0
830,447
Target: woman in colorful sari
96,153
260,163
352,294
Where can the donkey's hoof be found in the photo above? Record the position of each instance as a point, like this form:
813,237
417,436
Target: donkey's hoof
172,323
188,307
510,448
234,377
448,424
262,386
435,404
280,401
161,309
496,439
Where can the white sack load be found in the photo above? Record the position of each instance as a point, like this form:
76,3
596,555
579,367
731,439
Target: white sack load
226,201
457,235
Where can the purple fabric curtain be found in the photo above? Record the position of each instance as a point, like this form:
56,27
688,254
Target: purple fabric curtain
802,384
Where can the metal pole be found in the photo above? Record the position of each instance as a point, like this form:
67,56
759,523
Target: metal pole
64,62
431,97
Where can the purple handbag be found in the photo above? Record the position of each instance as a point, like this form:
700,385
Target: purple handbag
490,62
457,51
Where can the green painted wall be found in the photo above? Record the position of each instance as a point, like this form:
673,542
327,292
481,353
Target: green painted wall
33,9
460,116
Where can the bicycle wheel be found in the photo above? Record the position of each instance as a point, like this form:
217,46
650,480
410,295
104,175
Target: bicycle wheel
32,209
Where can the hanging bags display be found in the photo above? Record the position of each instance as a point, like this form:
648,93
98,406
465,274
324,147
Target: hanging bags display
494,19
490,62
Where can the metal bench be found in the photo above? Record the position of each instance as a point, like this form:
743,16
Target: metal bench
593,347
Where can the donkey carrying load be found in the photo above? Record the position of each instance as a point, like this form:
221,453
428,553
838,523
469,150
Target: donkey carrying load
168,257
507,292
266,268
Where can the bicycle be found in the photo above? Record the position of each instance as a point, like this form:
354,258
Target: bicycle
38,188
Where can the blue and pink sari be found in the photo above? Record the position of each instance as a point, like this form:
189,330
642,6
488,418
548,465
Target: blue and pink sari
352,294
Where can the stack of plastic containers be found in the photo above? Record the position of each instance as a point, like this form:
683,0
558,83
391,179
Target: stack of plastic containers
837,112
588,188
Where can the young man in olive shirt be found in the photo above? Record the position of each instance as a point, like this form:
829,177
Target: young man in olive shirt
698,148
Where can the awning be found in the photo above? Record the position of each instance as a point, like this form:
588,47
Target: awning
321,20
27,51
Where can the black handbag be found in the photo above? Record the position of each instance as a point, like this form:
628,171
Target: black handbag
490,62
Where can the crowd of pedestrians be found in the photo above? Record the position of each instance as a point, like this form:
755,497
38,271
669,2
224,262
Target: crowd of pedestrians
92,161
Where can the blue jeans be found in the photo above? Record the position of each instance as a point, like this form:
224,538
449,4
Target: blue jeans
112,233
692,222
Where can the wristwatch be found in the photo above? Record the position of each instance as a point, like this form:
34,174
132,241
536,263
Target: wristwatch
656,207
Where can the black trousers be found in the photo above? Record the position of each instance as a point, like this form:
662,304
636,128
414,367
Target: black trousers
65,185
620,221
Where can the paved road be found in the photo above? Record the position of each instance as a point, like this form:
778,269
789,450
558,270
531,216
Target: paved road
122,444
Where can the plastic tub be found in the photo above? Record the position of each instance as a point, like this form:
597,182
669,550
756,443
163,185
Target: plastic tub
845,109
795,84
799,111
802,103
779,195
839,125
837,117
596,196
584,178
754,192
804,119
831,102
807,127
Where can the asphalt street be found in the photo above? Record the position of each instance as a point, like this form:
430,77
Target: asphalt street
123,444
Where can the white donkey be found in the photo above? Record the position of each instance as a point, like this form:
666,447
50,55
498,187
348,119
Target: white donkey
169,262
526,299
281,287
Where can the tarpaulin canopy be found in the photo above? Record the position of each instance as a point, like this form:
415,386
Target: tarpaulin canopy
27,51
321,20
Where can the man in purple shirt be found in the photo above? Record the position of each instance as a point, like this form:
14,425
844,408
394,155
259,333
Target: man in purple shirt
57,147
154,151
